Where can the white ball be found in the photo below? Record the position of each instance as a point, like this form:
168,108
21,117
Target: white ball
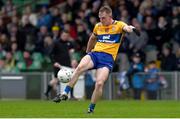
64,75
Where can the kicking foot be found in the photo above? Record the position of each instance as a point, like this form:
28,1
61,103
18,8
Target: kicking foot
90,111
58,98
63,97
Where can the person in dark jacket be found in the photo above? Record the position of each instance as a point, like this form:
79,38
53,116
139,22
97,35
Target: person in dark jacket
168,59
60,56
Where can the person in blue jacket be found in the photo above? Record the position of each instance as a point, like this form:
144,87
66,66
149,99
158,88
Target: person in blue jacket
135,77
153,82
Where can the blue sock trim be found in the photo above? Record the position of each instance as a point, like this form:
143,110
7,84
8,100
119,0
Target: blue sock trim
67,89
92,106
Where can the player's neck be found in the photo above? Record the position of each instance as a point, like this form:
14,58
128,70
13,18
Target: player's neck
110,22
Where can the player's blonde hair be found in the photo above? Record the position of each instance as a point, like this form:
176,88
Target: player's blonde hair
106,9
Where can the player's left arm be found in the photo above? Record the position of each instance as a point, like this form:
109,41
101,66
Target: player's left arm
57,65
130,28
91,42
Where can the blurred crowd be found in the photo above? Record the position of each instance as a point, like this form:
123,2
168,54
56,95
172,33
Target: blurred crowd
27,36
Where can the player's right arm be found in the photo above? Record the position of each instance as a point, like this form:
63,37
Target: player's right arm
91,42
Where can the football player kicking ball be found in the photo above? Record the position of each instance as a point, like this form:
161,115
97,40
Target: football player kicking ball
101,51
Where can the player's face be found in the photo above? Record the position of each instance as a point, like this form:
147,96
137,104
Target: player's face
105,18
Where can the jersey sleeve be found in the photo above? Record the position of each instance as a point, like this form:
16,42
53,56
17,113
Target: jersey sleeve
121,25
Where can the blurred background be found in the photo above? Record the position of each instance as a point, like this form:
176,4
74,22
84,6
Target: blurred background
147,67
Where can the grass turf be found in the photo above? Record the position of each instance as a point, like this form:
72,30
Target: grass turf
117,108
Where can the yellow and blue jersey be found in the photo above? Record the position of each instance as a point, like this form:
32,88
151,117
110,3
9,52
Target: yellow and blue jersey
109,37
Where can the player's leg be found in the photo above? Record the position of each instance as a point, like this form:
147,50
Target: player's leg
57,67
85,64
52,85
102,76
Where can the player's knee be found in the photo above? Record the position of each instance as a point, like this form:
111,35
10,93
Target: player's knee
53,82
99,84
79,69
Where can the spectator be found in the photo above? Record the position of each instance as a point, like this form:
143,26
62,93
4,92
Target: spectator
30,16
14,22
48,45
71,29
9,62
82,37
27,59
59,55
17,36
162,28
135,79
125,16
55,33
39,43
1,65
70,8
44,19
175,24
56,20
149,27
8,8
168,59
153,81
14,47
137,43
30,32
91,22
134,7
4,41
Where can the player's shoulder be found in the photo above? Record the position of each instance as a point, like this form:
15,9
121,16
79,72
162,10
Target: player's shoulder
119,22
98,24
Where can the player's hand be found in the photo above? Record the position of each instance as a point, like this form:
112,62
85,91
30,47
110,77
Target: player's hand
136,31
57,65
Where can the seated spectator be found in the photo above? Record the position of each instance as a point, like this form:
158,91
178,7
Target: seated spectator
14,47
48,45
4,41
9,62
27,59
1,65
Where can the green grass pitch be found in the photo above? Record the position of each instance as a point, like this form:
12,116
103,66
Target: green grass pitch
109,109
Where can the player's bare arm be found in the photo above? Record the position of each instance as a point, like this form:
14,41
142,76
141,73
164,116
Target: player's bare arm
91,43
